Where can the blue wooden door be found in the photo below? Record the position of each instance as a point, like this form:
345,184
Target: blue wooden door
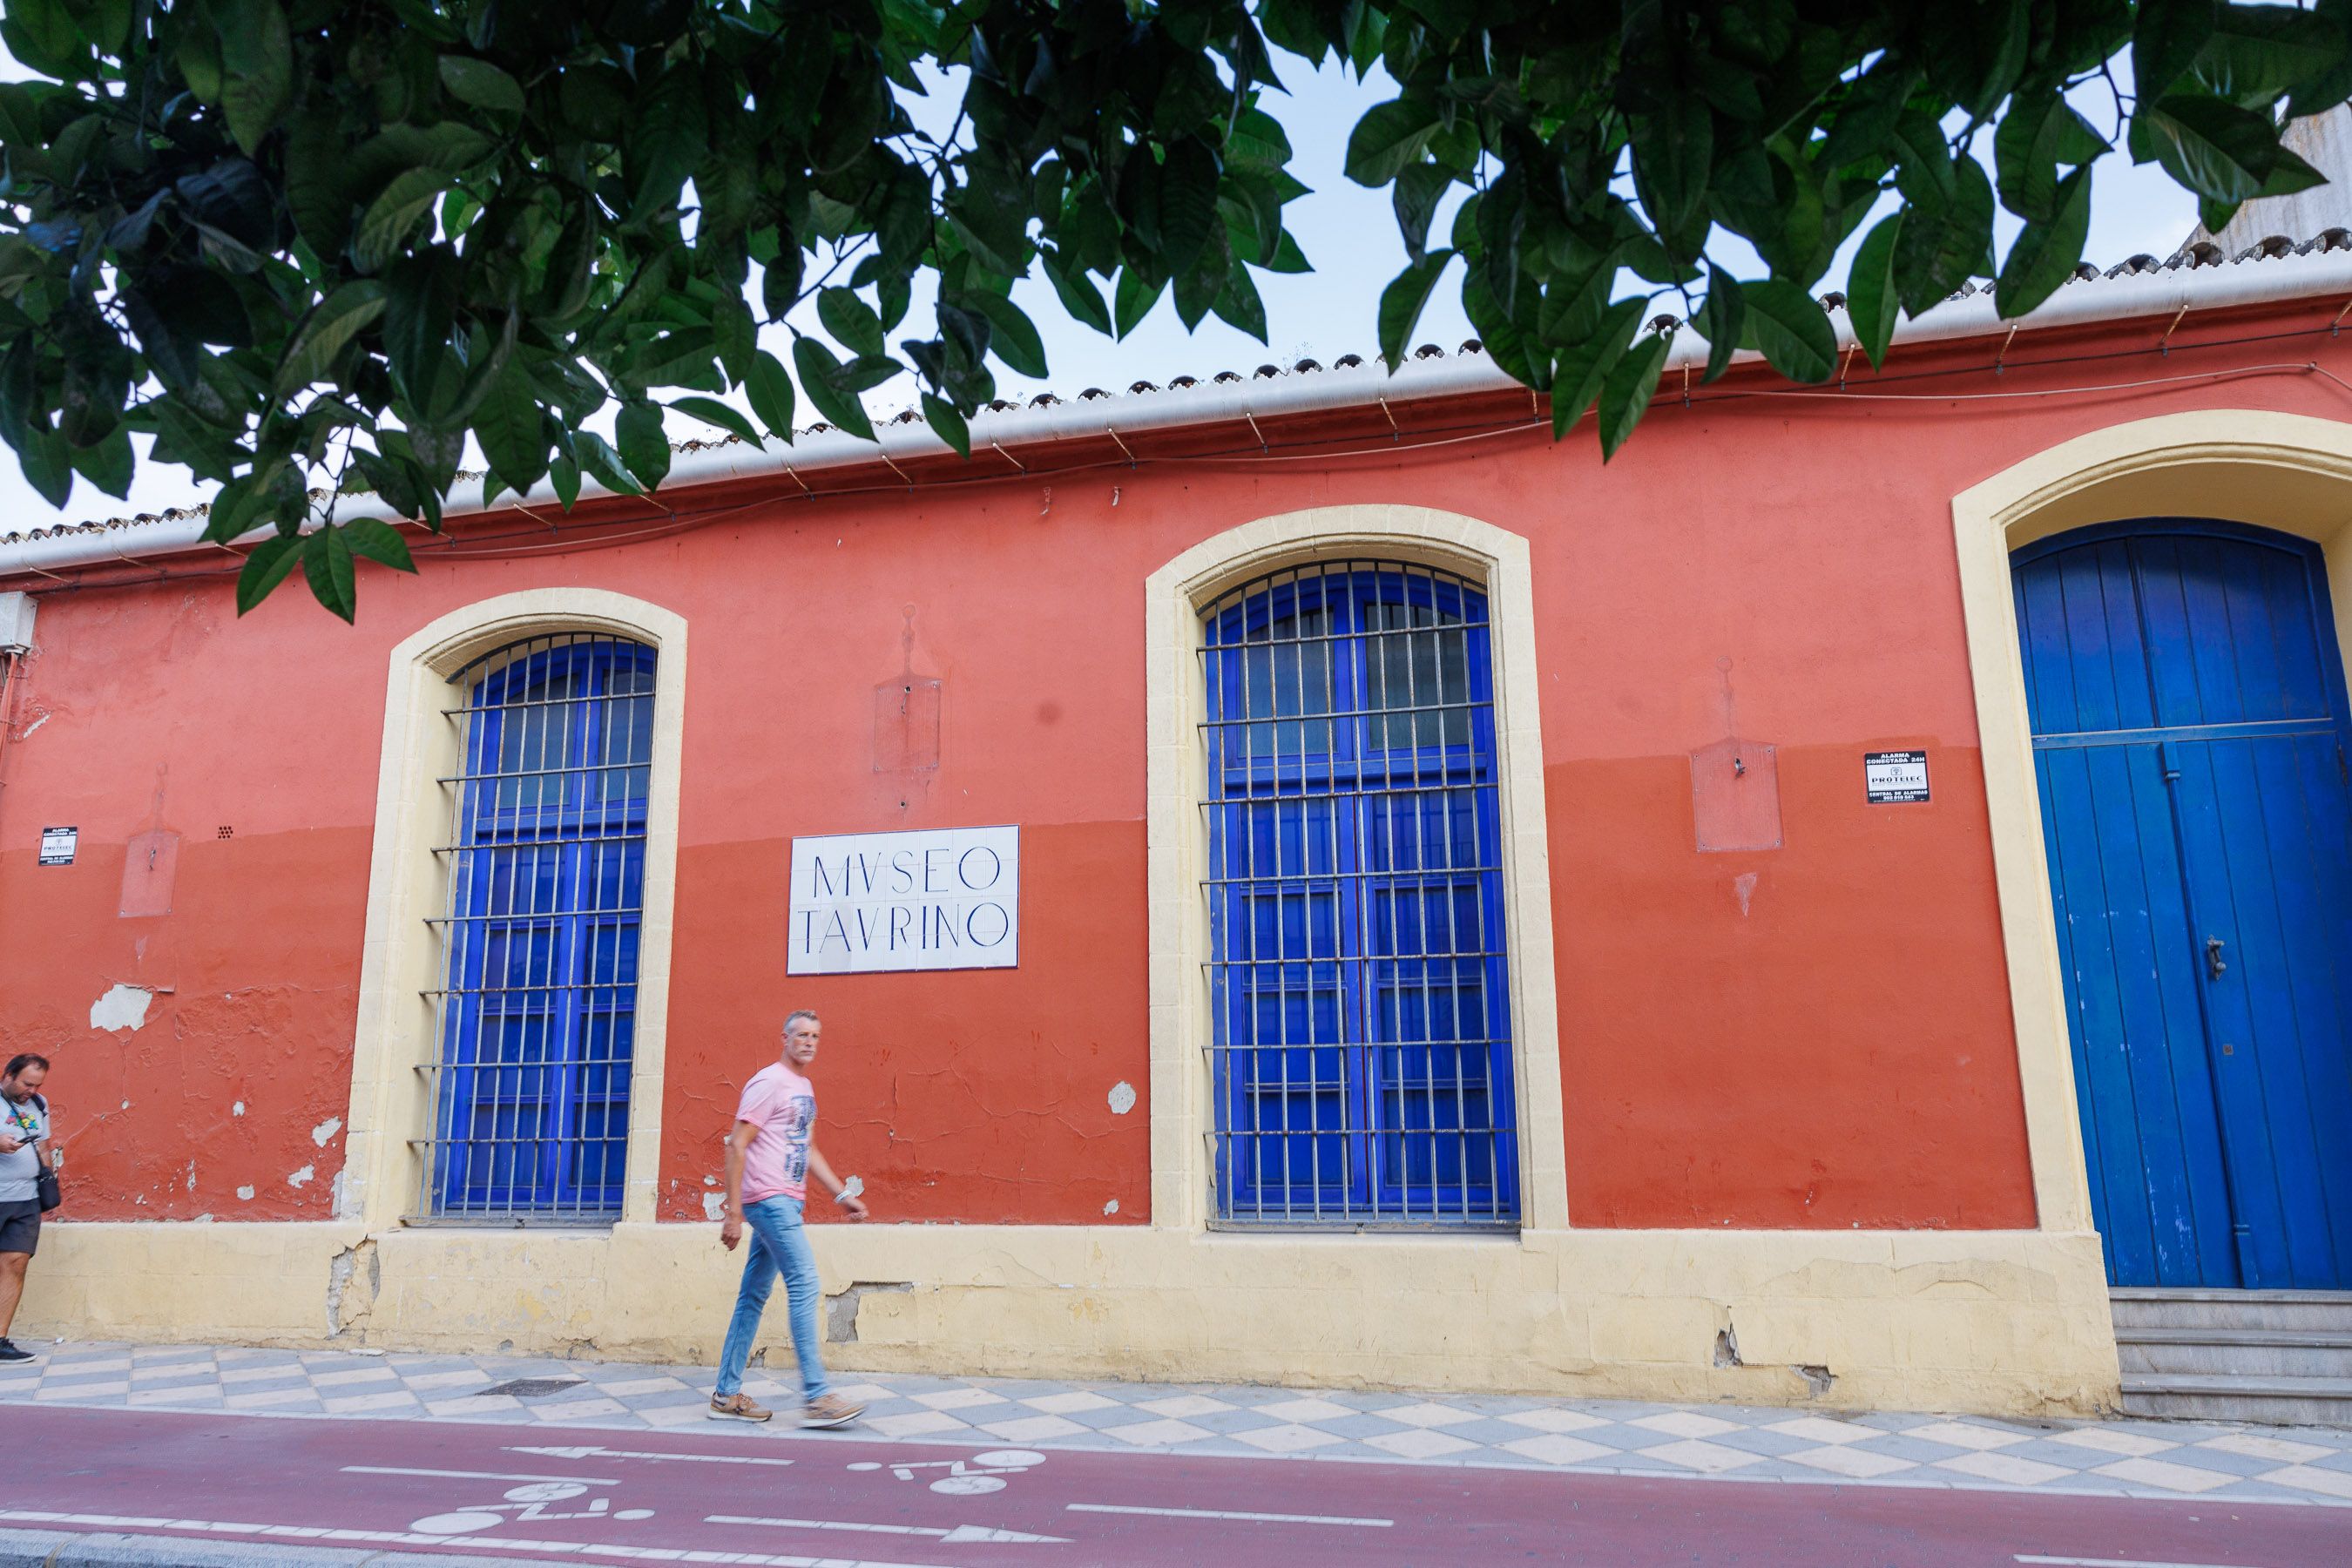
2190,738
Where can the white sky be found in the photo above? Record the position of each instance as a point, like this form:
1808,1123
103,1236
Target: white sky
1347,232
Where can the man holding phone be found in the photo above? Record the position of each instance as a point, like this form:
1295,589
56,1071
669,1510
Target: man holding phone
24,1153
771,1153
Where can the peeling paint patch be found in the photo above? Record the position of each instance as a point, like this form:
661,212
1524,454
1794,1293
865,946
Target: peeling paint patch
192,1175
1112,1207
326,1129
307,1173
237,1108
714,1205
122,1008
244,1194
1745,886
855,1187
1122,1097
27,732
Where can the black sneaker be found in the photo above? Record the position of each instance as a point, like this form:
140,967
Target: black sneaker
9,1354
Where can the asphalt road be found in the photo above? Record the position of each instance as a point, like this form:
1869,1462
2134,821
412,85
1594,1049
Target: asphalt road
756,1497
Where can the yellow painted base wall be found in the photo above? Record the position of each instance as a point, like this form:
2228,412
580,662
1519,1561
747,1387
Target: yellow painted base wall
2012,1323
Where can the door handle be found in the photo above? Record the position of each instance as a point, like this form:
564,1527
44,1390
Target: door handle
2213,964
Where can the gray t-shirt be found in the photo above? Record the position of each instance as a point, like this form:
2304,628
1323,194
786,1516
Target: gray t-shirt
19,1169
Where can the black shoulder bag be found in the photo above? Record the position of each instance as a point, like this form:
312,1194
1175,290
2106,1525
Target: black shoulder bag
44,1183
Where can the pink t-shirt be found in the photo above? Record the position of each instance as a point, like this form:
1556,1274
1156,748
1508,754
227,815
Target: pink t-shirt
783,1105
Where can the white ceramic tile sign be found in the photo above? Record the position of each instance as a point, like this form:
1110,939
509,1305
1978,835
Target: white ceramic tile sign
868,903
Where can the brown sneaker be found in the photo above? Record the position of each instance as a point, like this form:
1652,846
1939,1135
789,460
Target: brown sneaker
832,1410
736,1407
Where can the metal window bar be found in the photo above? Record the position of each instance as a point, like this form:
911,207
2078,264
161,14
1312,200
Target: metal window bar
1359,1055
544,869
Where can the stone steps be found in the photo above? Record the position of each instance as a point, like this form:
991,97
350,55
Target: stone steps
2277,1357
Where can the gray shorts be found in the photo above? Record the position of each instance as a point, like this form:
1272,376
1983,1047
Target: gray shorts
20,1226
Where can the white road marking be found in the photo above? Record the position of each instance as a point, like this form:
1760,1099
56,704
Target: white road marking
474,1475
2107,1562
557,1549
960,1534
643,1454
1219,1513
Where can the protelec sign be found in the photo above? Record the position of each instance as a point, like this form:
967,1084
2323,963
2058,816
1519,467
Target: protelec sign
867,903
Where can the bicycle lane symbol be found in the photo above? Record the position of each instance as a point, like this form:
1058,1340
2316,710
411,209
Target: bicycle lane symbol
983,1473
523,1502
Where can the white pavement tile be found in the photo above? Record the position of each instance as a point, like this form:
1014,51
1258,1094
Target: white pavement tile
633,1385
79,1390
144,1373
1157,1433
96,1364
1425,1414
2327,1483
1185,1404
2162,1473
2129,1444
1419,1443
1557,1421
673,1414
258,1373
1031,1428
915,1425
354,1404
357,1375
192,1394
1816,1429
1308,1409
1070,1402
959,1398
432,1379
1290,1439
1685,1424
856,1393
1711,1458
1963,1435
2006,1468
269,1397
2280,1448
475,1405
579,1409
1863,1463
1555,1449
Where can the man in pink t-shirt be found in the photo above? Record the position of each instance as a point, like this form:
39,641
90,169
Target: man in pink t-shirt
771,1154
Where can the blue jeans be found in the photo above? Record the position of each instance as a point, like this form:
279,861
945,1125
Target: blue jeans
779,1244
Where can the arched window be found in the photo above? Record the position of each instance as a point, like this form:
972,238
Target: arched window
538,1000
1361,1054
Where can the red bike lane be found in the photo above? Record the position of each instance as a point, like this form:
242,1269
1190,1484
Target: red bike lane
571,1494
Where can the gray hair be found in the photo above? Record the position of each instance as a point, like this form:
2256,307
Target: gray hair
796,1015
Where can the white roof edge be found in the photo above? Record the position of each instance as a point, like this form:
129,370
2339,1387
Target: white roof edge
2079,302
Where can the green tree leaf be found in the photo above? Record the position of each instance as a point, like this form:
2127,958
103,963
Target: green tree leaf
2212,147
850,320
710,411
327,563
1012,337
337,319
379,542
644,448
1872,304
1386,139
598,458
1721,320
2045,253
1133,300
1077,293
1402,300
770,388
1791,328
1582,367
1626,391
394,215
514,436
947,424
2167,37
563,474
481,84
822,377
257,55
265,568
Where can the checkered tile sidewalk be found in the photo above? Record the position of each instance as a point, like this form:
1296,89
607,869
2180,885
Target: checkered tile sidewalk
2133,1458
